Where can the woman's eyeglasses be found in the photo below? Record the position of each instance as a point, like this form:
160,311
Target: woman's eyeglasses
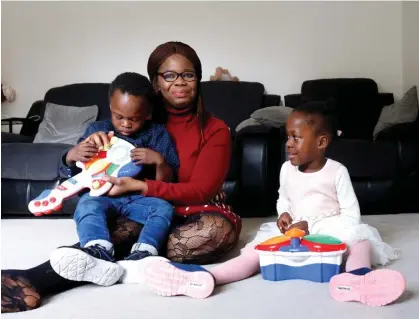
171,76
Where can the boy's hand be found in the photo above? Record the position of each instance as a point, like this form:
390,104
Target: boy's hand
100,139
303,225
146,156
284,221
81,152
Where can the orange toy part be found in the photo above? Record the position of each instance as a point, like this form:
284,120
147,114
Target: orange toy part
295,232
101,154
275,240
98,167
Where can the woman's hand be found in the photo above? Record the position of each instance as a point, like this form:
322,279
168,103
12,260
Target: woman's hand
303,225
146,156
122,185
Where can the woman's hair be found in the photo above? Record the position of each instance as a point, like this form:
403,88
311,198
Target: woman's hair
165,50
321,115
134,84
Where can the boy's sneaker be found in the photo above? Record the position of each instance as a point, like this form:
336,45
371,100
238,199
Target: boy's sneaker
93,264
138,255
376,288
172,279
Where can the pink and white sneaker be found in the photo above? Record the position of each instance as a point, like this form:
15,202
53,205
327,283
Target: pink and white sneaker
171,279
376,288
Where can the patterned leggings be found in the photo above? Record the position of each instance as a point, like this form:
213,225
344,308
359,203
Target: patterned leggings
200,239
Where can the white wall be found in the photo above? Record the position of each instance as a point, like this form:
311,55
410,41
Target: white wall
410,40
279,44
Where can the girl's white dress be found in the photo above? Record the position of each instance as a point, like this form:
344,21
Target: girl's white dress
327,201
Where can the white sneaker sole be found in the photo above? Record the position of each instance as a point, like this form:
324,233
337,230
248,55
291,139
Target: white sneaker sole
74,264
134,270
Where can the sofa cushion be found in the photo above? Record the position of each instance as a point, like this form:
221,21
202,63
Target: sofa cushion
403,111
357,101
273,116
366,160
65,124
82,94
232,102
28,161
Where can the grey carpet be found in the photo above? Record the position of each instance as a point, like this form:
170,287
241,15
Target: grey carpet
26,243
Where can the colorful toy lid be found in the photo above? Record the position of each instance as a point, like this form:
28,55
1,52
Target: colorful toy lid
295,241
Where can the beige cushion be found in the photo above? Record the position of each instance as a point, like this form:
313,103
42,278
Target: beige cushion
404,111
275,116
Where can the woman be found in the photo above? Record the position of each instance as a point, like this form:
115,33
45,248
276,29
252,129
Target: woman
205,228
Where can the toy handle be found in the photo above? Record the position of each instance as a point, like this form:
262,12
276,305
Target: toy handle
295,232
50,200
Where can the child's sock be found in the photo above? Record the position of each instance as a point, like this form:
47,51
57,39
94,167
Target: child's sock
239,268
359,256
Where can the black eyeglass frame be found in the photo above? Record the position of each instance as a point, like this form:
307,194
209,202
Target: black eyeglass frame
177,75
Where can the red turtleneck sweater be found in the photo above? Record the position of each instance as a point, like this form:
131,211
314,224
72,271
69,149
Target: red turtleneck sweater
202,170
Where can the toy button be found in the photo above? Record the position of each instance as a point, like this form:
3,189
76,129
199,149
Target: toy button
295,246
295,232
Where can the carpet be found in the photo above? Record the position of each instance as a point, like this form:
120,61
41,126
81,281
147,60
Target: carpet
28,242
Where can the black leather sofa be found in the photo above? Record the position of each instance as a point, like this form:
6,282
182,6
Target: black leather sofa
384,172
28,168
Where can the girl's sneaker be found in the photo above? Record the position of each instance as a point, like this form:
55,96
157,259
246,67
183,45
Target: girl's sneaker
376,288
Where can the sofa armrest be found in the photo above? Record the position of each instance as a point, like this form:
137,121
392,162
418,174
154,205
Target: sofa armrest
15,138
33,119
404,132
259,155
30,161
13,119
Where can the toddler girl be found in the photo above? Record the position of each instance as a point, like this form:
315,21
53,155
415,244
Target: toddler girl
315,195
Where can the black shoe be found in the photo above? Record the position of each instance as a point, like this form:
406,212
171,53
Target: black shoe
93,264
99,252
138,255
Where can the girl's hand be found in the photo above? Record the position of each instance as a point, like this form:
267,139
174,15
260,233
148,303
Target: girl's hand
303,225
146,156
284,221
122,185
